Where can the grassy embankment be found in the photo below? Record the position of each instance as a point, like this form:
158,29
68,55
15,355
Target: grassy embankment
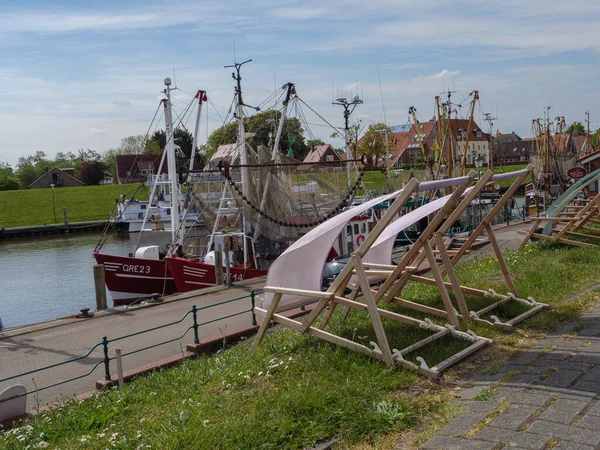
30,207
298,390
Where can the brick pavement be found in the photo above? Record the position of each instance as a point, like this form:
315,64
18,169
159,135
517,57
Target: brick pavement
548,396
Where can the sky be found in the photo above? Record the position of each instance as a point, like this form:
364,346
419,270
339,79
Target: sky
83,75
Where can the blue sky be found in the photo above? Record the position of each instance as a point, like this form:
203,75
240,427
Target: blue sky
79,74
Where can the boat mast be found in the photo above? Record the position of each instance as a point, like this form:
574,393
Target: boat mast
291,90
348,109
242,143
201,96
171,165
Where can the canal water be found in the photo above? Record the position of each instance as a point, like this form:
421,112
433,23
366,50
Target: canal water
49,277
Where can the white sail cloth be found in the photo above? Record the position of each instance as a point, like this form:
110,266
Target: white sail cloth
301,265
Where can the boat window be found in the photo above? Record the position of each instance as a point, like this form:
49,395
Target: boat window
142,207
355,228
349,230
168,211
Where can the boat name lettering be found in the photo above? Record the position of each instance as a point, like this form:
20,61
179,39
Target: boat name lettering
135,268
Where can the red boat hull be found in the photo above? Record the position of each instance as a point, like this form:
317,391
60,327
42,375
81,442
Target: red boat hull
129,279
193,274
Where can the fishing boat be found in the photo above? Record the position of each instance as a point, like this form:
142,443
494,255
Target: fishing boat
130,215
144,273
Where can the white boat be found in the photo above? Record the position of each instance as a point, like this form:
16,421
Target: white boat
130,214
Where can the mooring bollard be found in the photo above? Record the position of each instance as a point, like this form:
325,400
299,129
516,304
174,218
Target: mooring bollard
106,359
252,300
99,287
195,316
65,219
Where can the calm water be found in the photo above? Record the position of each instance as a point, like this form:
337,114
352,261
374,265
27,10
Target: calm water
45,278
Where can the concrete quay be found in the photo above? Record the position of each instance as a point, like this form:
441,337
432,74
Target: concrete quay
29,348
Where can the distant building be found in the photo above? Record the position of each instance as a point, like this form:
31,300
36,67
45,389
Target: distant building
323,153
58,178
137,168
591,162
517,152
405,144
107,179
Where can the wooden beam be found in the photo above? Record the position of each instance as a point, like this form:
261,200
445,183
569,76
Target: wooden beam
437,275
503,266
265,323
460,299
382,340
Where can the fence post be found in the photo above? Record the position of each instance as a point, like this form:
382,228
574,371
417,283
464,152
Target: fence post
252,295
195,316
106,359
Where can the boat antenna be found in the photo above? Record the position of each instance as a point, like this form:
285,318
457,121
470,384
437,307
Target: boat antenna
174,78
238,78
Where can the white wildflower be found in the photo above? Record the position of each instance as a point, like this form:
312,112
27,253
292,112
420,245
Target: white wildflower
143,419
100,435
43,444
205,421
260,373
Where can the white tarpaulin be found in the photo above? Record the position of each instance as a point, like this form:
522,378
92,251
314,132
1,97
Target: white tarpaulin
301,265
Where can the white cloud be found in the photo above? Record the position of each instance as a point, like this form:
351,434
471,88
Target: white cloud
440,75
97,131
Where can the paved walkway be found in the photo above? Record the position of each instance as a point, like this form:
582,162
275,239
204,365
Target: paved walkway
548,396
41,345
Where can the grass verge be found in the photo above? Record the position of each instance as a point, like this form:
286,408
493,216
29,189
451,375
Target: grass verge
29,207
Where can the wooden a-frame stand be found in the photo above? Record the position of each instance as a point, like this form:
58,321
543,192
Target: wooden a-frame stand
570,225
327,301
432,238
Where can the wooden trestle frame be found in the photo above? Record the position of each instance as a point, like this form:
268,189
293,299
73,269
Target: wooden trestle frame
329,300
571,223
434,239
396,277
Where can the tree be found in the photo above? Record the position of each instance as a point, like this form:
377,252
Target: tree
92,168
373,143
130,145
576,128
354,131
32,167
264,127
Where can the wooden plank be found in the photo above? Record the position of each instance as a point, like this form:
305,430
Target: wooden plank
492,214
294,291
460,298
425,235
422,342
464,289
437,275
420,307
266,321
382,340
582,235
332,338
564,241
528,234
382,312
503,266
460,355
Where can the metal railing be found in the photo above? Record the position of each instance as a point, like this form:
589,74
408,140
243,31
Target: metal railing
105,342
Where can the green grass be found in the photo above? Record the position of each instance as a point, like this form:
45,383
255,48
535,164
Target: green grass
30,207
297,391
